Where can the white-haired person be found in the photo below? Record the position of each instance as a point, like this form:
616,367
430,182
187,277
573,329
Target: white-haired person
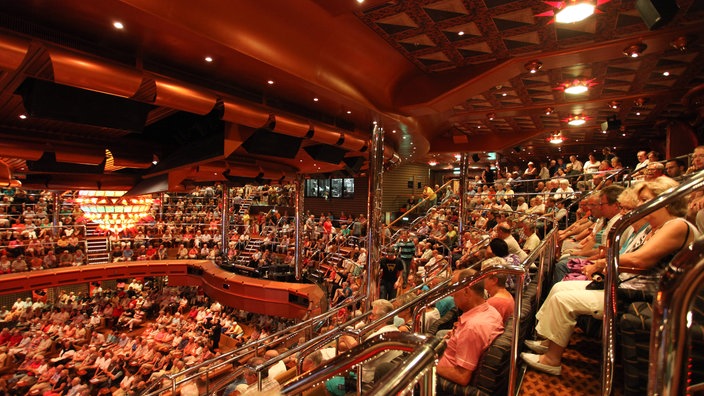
669,233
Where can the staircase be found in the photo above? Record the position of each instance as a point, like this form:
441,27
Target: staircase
96,245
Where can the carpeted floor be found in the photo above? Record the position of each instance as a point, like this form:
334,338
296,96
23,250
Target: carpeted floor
581,372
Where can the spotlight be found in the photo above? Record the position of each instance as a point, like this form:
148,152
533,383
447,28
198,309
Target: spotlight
640,102
549,110
491,116
556,138
533,66
680,43
614,105
635,50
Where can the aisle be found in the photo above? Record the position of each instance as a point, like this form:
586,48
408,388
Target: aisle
581,372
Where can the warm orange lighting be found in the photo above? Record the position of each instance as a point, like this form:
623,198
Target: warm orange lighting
533,66
635,50
576,120
111,211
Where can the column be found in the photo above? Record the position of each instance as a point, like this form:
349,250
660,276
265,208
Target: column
299,198
225,220
376,174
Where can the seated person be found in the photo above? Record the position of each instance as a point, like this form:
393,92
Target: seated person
481,323
569,299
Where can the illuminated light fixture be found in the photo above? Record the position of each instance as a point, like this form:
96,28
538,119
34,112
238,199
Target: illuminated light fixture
349,111
576,86
460,33
614,105
504,94
360,1
640,102
666,73
208,59
549,110
315,99
432,163
533,66
458,157
491,116
270,82
635,50
571,11
576,120
118,25
680,43
556,138
111,210
575,11
23,116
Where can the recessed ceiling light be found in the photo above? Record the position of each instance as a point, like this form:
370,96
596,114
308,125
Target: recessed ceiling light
637,113
666,73
460,33
315,99
208,59
360,1
118,25
270,82
349,111
504,94
393,131
23,116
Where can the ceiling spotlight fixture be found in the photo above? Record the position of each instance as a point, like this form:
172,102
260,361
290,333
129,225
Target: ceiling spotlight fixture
533,66
118,25
640,102
666,73
635,50
432,163
458,157
208,59
576,86
349,111
556,138
576,120
270,82
680,43
315,99
491,116
614,105
23,116
549,110
460,33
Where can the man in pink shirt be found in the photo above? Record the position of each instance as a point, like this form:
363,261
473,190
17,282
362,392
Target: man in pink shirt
474,331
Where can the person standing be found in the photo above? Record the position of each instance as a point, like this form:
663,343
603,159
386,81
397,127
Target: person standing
406,250
391,271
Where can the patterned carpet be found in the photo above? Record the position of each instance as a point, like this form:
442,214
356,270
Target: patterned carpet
581,372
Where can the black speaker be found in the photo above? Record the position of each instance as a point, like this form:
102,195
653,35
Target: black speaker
267,142
611,124
475,157
656,13
518,149
326,153
45,99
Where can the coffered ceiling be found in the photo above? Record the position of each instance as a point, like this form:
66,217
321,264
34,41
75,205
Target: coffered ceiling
440,77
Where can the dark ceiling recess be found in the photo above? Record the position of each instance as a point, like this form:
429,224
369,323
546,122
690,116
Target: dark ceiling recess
353,165
45,99
325,153
267,142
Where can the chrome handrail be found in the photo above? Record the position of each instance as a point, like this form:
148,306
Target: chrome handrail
422,202
405,375
344,362
612,263
670,337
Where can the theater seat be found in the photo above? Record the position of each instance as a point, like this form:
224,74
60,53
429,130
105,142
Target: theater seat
635,327
491,375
